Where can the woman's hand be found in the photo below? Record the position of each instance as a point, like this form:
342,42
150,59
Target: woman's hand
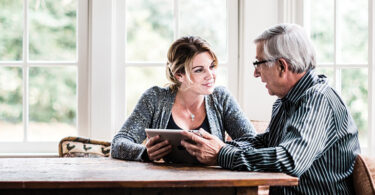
156,149
206,147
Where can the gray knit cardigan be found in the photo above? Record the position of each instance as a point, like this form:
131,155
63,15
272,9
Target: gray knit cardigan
153,110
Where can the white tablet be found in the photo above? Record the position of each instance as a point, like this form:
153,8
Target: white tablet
178,153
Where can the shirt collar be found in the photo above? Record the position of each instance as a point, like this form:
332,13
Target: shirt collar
301,86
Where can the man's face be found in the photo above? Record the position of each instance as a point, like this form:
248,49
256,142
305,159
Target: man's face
269,75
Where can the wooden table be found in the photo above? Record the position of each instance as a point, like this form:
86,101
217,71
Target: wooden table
110,176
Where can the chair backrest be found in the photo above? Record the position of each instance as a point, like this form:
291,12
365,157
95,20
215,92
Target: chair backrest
364,175
83,147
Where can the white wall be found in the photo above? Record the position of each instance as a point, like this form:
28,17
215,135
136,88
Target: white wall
255,16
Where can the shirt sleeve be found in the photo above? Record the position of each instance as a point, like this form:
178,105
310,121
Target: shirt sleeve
306,132
246,142
127,143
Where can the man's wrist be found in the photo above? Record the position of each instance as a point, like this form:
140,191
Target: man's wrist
226,156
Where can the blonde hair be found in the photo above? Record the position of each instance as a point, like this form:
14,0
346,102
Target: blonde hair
180,57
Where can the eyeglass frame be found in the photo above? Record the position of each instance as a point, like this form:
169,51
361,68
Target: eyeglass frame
257,63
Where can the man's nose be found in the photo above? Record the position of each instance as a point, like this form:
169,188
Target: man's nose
256,73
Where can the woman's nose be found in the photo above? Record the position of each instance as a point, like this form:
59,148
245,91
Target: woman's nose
210,74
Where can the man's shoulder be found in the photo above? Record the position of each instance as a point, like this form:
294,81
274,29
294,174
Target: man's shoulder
319,89
324,92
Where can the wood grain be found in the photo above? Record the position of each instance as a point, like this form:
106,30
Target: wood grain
48,173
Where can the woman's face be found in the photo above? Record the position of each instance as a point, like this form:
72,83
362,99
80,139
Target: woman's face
203,75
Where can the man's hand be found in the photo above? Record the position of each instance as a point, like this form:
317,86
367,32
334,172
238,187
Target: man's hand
156,149
206,147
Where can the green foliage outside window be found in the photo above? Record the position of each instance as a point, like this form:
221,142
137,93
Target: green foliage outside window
351,49
52,34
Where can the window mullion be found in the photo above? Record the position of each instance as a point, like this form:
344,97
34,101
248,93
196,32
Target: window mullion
336,81
371,79
176,19
232,40
82,69
25,72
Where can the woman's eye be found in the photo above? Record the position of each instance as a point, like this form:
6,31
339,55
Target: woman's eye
198,70
212,66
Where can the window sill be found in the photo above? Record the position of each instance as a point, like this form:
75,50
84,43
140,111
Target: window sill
29,155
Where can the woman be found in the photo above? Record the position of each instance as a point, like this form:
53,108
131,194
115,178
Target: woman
190,102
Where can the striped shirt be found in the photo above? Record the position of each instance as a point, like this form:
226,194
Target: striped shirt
311,135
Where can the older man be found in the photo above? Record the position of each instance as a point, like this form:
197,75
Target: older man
311,134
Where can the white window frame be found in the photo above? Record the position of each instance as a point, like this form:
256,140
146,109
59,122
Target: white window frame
26,147
119,63
107,64
232,43
294,11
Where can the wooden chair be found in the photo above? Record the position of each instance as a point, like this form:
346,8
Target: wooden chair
364,175
83,147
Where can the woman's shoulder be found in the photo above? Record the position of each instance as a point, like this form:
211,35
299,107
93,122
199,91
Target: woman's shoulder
157,92
220,91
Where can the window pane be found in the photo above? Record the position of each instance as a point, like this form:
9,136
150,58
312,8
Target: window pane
352,31
208,20
355,95
11,128
11,29
149,26
322,29
52,30
138,80
53,103
328,72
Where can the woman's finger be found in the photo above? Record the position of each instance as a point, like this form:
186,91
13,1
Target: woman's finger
160,151
157,146
161,155
152,141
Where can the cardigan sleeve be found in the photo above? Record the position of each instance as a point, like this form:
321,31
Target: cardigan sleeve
127,143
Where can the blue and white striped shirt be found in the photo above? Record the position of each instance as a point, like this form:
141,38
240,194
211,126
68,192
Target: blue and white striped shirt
311,135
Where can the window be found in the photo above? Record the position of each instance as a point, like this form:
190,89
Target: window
41,61
340,33
152,26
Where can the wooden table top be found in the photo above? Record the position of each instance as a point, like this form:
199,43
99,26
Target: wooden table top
108,172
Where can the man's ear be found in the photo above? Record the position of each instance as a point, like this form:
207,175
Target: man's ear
283,66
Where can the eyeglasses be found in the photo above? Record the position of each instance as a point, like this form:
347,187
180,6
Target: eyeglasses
257,63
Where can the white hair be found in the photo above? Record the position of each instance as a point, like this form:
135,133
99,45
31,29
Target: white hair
290,42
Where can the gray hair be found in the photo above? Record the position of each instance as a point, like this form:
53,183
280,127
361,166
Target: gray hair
290,42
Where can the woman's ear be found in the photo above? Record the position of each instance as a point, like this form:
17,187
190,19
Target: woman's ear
179,77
